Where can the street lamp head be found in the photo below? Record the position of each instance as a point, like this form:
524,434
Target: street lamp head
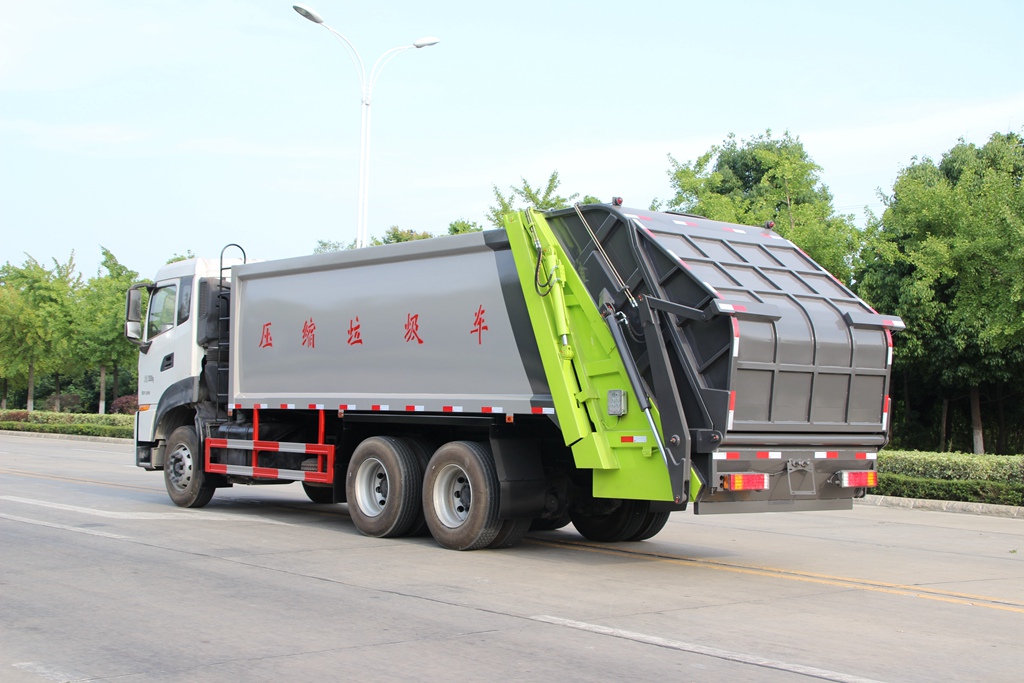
309,13
426,42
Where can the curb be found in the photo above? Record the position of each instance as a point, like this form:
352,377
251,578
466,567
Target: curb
67,437
987,509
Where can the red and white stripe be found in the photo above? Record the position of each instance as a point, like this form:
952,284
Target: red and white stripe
735,338
732,410
728,229
539,410
888,341
769,455
885,414
492,409
830,455
414,409
633,439
346,406
287,406
378,406
686,223
713,290
728,455
316,406
867,456
451,409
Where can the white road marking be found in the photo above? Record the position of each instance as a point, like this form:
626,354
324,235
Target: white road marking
65,527
739,657
52,673
112,514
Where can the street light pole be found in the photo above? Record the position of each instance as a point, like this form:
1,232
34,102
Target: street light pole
366,86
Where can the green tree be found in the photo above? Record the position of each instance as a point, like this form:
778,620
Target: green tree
763,179
461,226
101,322
36,315
543,199
948,256
395,234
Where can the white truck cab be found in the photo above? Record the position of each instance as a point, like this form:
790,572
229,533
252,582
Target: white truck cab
171,358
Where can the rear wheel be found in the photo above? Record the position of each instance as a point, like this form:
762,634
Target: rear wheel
460,496
546,524
183,470
382,487
620,524
319,494
422,450
510,533
652,524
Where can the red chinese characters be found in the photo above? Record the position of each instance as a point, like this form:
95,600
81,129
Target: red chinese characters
309,334
266,341
412,328
478,325
354,335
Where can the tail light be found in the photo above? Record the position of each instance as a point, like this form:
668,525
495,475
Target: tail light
857,479
745,482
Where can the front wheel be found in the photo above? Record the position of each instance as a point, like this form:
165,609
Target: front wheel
183,470
460,496
323,495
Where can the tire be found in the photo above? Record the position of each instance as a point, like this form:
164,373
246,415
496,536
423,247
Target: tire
183,470
510,533
460,496
619,525
422,450
543,524
324,495
382,487
652,524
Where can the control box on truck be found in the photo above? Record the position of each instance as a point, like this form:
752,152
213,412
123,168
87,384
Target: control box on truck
597,365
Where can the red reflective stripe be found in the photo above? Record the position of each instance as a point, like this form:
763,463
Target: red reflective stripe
732,400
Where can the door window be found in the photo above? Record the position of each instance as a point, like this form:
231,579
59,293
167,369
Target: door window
161,311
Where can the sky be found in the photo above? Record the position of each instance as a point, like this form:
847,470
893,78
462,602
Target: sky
155,128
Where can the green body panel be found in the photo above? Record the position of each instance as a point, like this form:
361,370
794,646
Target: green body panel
582,364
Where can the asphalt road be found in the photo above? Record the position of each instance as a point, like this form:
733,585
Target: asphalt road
103,579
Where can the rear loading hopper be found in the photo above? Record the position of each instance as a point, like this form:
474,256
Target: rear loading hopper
776,372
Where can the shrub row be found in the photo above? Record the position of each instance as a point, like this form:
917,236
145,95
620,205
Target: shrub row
963,467
969,490
43,417
75,429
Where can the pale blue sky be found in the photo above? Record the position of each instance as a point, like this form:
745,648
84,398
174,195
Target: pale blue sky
153,127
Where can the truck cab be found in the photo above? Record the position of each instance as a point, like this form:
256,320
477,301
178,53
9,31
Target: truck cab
165,325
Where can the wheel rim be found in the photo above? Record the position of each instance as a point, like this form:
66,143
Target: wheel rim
453,496
181,467
371,487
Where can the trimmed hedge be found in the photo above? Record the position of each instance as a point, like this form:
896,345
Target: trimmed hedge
44,417
969,491
952,466
74,429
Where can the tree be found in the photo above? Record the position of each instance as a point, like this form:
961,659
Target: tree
766,179
948,256
36,314
101,321
462,226
544,200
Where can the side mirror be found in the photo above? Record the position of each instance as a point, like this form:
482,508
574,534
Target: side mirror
133,316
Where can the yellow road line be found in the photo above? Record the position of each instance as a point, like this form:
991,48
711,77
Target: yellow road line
805,577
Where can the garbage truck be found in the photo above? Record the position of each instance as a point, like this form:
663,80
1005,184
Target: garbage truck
598,365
